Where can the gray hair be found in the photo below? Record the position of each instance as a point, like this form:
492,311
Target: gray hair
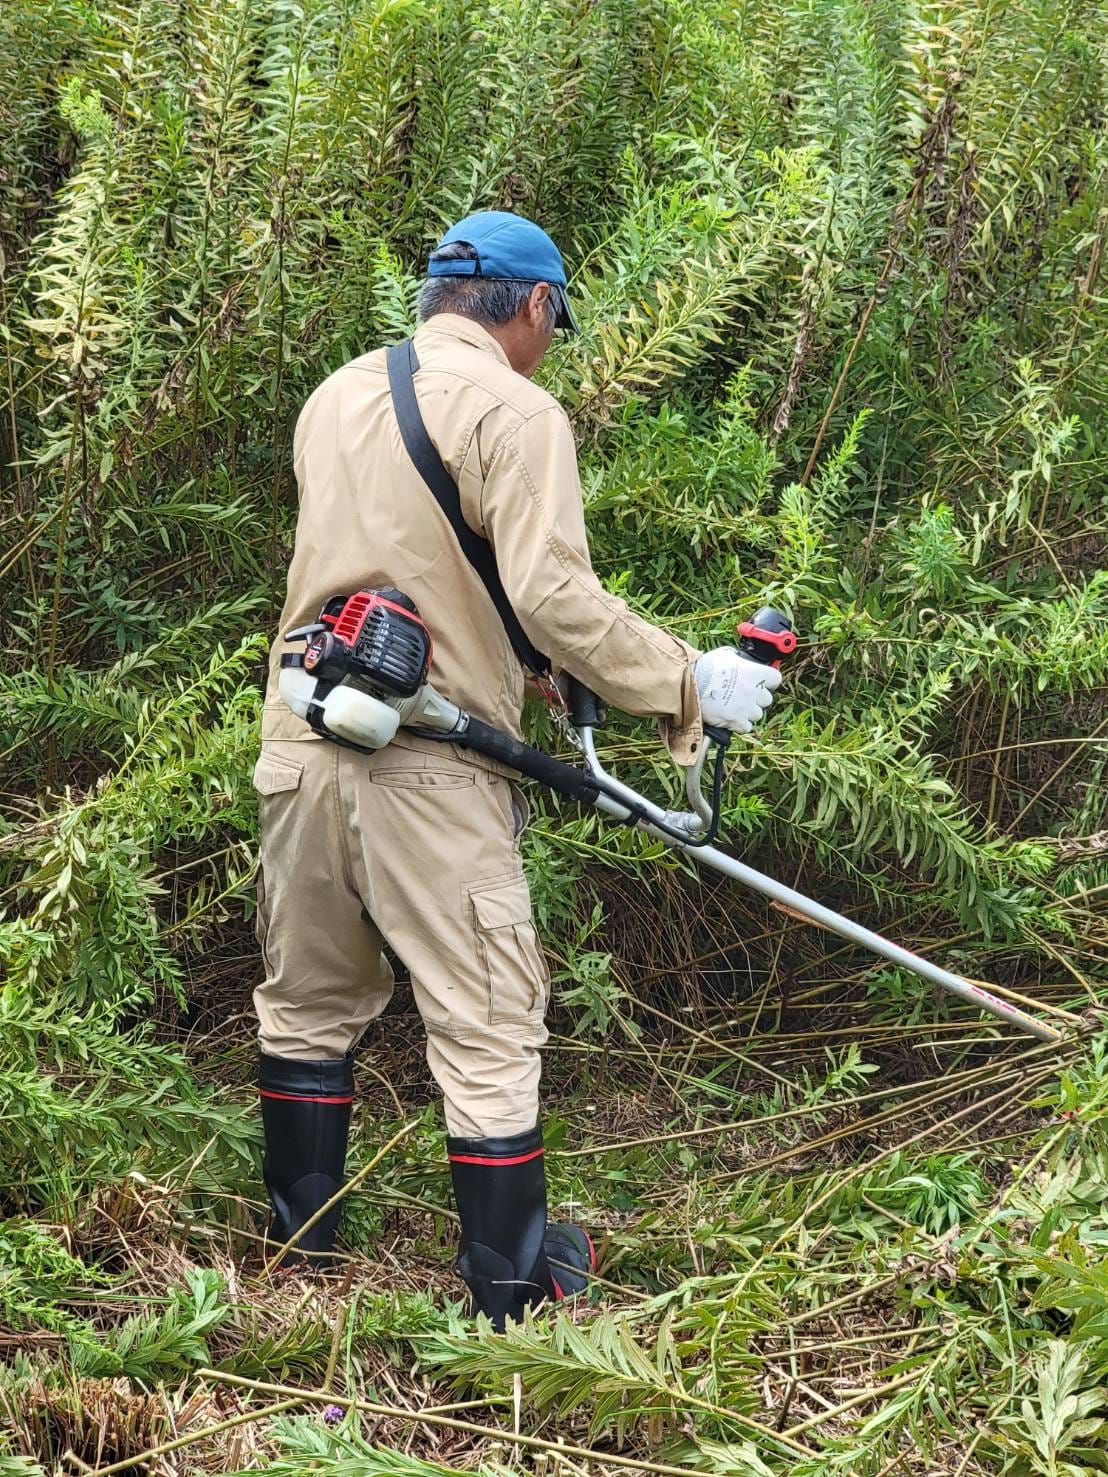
492,301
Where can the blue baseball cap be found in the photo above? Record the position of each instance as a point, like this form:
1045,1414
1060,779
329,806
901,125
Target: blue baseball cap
509,247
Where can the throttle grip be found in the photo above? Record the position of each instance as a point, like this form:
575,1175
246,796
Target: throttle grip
767,638
586,710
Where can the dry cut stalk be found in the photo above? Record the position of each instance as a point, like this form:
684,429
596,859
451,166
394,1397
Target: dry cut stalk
190,1438
426,1417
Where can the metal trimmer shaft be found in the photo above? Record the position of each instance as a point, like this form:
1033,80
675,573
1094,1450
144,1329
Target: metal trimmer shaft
846,928
592,786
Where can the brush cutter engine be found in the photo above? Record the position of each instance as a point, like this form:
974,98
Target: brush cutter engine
363,670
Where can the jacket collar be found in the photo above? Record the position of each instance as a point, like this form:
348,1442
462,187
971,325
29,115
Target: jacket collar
453,325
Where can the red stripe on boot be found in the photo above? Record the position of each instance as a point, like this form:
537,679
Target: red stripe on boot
303,1097
493,1159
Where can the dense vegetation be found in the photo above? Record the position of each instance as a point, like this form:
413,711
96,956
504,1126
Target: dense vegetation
840,271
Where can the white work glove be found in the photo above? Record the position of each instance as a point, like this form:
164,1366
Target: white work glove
734,691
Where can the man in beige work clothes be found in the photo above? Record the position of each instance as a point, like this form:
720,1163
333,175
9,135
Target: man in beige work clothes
417,845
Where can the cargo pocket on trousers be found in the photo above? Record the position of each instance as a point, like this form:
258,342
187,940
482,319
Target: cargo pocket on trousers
272,776
513,958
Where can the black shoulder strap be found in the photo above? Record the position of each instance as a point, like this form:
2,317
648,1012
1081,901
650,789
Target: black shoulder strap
402,363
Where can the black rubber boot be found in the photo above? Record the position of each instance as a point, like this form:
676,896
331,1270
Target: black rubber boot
306,1115
507,1247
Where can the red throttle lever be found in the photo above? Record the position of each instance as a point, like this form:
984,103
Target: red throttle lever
767,638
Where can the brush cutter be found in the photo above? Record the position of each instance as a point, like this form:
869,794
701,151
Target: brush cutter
363,675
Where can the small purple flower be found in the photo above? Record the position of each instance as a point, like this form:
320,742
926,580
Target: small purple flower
332,1414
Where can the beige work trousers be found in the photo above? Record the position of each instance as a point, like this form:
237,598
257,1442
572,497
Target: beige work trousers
418,850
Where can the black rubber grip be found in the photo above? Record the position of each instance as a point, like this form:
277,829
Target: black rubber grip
586,710
564,779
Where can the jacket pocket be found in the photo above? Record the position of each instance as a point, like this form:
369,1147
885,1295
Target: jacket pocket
272,775
510,951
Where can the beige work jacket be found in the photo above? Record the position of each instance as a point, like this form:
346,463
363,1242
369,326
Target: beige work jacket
367,518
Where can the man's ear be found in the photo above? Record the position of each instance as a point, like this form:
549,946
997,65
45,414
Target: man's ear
537,302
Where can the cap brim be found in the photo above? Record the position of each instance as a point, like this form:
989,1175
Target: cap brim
564,317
